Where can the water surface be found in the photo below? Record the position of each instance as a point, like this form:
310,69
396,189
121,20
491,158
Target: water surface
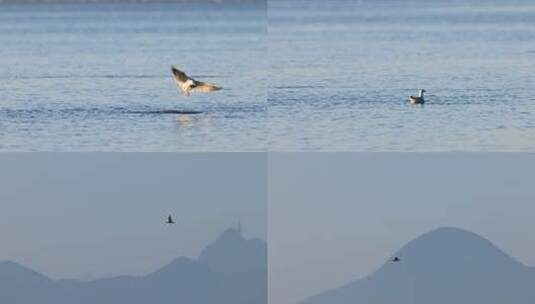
80,77
341,72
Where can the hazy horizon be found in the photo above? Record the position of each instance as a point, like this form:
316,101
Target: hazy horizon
70,215
355,210
130,1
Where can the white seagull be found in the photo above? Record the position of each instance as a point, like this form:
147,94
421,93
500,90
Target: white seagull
188,84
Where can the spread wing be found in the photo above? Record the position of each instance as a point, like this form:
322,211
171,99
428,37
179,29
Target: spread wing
205,87
188,84
179,75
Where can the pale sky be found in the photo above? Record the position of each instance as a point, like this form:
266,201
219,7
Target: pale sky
72,215
337,217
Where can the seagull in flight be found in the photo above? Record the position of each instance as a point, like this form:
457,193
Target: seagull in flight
188,84
170,220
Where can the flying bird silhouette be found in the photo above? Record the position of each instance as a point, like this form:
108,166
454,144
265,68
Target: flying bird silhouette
396,259
170,220
188,84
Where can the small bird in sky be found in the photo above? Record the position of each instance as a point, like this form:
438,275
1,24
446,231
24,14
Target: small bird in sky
396,259
188,84
170,220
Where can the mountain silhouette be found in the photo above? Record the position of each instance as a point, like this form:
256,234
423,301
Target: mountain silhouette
210,279
231,254
444,266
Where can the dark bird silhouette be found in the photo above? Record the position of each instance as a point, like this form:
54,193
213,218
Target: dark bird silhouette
396,259
417,99
170,220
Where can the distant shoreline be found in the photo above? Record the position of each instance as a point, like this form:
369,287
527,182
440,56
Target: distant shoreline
129,1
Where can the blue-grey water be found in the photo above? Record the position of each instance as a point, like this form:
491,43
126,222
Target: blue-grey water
337,74
72,74
341,72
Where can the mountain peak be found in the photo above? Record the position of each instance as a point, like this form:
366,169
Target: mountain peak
232,253
449,229
445,265
231,233
453,233
450,243
12,269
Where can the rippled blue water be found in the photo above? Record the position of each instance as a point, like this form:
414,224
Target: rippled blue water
71,76
341,72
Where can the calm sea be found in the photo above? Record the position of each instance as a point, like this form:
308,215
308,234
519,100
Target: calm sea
341,72
75,77
337,74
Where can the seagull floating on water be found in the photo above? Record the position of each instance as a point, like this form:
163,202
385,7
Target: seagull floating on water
417,99
188,84
170,220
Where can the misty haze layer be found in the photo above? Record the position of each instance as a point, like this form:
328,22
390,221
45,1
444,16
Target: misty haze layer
89,216
445,266
354,210
231,270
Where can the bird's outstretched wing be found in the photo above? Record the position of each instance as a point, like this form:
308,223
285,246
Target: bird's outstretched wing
205,87
179,75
